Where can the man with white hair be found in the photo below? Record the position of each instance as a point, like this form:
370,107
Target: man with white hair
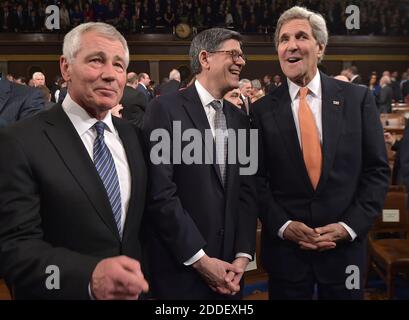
245,89
323,173
73,183
38,79
172,85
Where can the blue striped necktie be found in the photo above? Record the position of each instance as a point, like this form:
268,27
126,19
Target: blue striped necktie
105,165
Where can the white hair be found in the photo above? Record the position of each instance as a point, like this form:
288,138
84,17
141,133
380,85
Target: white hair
38,73
174,74
316,21
72,40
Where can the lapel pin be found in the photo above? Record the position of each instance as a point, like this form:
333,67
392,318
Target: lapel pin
336,102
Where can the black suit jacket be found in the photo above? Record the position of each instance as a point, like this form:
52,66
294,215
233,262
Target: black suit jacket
405,89
18,102
145,92
169,87
352,187
134,105
190,209
54,209
357,80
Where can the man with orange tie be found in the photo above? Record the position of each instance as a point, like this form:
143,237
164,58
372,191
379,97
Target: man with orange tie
323,170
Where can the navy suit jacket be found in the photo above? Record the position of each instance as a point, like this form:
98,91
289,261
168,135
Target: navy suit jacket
146,93
54,209
190,209
352,187
18,102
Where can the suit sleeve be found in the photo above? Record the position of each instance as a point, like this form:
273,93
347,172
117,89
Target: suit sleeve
33,104
247,218
167,216
24,253
271,214
374,179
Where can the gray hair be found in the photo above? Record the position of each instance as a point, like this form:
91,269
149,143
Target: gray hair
256,84
174,74
242,82
38,73
72,40
209,40
316,21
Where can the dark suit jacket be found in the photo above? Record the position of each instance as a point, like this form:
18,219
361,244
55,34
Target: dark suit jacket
190,209
357,80
351,189
54,209
405,89
134,105
169,87
18,102
146,93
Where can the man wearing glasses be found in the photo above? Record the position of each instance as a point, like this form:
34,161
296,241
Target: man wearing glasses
202,218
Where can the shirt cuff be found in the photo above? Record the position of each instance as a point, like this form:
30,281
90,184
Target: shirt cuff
195,258
350,231
91,296
282,229
244,255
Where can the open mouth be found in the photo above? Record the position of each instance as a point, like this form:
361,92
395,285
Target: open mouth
293,59
235,72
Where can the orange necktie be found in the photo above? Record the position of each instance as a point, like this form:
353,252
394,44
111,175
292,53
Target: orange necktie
310,140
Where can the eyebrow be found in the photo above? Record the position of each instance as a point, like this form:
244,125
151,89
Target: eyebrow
103,54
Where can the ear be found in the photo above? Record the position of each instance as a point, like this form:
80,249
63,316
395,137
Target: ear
321,49
203,59
65,68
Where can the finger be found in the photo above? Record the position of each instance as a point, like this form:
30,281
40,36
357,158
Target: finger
237,278
325,229
129,264
307,246
229,277
326,244
327,237
231,267
223,290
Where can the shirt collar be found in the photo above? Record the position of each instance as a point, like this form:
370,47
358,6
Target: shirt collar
205,97
314,86
80,118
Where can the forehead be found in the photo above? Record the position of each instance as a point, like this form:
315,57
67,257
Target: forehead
93,41
295,26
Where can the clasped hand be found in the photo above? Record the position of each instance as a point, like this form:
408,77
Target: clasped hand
320,239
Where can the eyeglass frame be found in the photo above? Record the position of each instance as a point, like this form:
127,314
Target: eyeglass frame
234,54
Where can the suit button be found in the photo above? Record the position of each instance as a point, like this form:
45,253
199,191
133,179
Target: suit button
221,232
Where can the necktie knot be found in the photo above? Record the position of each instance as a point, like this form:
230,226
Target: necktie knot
99,128
216,104
303,92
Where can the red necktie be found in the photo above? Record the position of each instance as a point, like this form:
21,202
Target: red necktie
310,140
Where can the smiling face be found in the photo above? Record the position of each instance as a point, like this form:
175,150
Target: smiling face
298,51
234,97
220,73
97,75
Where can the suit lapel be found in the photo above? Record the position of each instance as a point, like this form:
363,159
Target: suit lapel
332,105
194,109
4,93
284,120
137,169
68,144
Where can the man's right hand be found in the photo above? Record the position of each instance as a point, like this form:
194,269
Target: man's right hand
214,272
301,234
118,278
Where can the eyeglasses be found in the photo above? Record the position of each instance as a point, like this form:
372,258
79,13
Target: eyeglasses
235,55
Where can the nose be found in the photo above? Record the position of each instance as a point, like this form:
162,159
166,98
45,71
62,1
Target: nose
108,72
241,61
292,44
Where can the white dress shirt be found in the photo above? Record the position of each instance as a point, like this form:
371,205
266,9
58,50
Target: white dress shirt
206,98
314,100
83,124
